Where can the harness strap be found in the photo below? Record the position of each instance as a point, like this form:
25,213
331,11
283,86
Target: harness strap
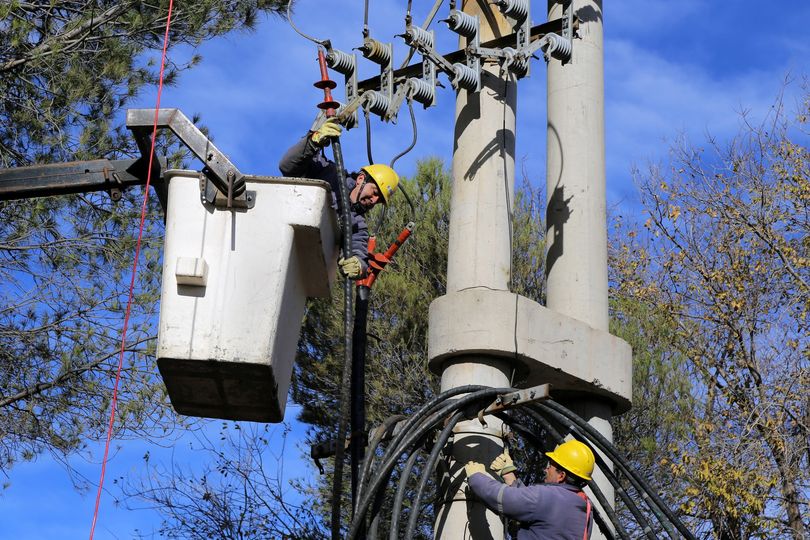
587,513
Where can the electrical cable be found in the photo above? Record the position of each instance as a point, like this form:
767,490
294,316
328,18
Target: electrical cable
368,136
546,414
413,141
379,433
400,496
321,42
131,296
430,465
408,439
348,327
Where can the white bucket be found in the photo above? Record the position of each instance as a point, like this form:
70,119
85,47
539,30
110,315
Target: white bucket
234,288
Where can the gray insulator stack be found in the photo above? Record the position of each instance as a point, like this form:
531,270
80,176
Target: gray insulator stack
376,102
516,9
422,91
556,46
340,61
462,23
465,77
419,38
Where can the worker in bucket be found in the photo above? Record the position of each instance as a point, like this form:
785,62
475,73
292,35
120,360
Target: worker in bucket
557,508
373,184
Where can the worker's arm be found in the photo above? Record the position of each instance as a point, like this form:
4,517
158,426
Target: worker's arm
516,502
306,160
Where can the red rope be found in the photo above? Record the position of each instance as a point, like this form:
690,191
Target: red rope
134,271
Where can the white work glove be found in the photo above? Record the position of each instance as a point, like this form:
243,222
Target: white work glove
503,464
351,267
473,467
323,134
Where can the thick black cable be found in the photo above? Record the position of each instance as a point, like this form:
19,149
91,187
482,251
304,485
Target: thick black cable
368,136
426,408
659,510
407,441
413,141
375,441
357,391
436,413
430,465
396,508
348,327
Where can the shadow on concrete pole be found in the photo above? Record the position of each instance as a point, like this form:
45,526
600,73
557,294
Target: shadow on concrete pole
576,263
479,258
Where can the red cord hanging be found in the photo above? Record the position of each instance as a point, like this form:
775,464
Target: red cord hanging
134,271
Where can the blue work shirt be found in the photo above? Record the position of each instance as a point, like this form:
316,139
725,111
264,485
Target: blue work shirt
545,511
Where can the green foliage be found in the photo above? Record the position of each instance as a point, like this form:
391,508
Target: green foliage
68,68
65,265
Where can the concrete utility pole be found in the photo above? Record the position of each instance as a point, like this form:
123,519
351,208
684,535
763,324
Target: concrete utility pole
480,332
576,227
479,257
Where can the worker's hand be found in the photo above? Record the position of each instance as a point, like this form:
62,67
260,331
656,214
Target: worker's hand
473,467
351,267
328,129
503,464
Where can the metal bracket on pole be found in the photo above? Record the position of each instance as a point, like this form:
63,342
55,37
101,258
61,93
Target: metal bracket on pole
517,11
230,188
514,399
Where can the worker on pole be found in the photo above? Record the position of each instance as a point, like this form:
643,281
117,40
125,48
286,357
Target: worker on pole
371,185
557,508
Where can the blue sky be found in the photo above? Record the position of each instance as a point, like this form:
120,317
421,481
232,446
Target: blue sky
671,68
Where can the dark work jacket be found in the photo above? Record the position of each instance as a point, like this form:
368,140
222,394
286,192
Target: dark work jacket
545,511
306,160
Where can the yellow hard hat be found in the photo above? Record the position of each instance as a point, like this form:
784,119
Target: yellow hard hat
575,457
385,177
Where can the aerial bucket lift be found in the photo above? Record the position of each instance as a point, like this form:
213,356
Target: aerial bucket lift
241,255
233,293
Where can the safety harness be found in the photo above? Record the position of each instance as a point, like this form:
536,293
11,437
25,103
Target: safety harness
587,513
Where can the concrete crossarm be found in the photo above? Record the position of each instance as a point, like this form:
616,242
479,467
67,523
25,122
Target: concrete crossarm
549,347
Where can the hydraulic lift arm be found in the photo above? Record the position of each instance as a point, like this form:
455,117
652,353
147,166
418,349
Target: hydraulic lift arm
112,176
223,184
